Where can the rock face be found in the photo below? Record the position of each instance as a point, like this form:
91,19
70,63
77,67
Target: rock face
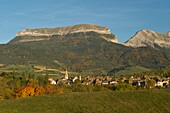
146,38
64,30
29,35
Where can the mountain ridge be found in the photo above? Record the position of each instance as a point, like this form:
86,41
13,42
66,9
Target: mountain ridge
64,30
145,38
142,38
47,33
89,51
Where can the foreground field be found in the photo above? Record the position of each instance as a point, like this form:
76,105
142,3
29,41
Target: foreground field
145,101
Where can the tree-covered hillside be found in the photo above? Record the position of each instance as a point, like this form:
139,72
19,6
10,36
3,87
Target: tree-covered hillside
82,53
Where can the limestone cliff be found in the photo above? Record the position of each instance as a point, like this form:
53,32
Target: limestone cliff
145,38
29,35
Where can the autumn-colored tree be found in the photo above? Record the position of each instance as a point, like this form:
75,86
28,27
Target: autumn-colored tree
39,91
18,92
28,90
50,89
1,98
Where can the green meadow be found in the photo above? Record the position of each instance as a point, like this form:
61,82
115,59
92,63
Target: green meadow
139,101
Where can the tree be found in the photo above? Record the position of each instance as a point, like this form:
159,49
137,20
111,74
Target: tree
39,91
150,83
28,90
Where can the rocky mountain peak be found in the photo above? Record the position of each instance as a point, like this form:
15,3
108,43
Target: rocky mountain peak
168,33
145,38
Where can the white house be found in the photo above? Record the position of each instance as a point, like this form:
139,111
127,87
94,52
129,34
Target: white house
52,81
161,83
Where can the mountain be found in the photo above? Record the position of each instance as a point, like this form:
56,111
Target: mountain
85,48
145,38
51,34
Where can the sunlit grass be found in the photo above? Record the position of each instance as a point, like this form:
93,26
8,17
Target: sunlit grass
145,101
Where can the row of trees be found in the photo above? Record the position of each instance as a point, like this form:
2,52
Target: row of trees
17,85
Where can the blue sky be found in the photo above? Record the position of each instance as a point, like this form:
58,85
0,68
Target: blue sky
123,17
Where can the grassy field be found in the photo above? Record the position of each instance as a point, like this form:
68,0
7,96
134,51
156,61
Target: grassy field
131,70
38,70
145,101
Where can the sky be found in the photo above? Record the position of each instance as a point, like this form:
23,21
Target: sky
123,17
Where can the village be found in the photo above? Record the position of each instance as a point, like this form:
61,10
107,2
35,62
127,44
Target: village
153,81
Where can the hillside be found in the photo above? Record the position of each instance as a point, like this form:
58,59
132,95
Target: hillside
144,101
88,53
91,54
85,48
